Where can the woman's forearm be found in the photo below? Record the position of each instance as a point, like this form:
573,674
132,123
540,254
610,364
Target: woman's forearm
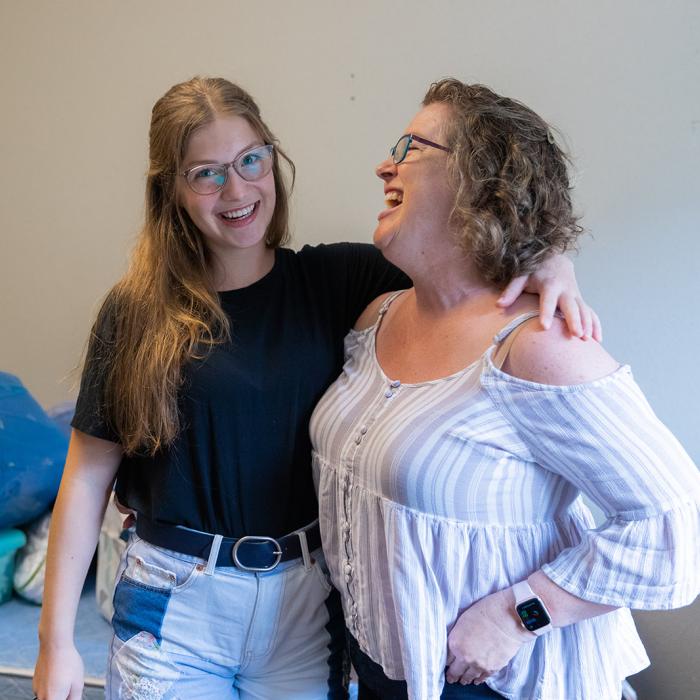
564,608
87,481
75,525
487,635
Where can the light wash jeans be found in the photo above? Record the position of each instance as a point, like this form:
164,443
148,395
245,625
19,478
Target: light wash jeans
181,634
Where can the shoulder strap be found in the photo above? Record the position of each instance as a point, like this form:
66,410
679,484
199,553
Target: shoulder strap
389,301
507,335
383,309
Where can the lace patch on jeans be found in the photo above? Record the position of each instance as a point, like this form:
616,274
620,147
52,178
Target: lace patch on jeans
145,671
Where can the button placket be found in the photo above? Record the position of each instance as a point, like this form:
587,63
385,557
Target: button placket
390,390
352,455
346,483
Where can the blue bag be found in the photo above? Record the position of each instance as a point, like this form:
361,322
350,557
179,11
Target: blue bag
32,454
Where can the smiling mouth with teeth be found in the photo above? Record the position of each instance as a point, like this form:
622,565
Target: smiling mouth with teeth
238,214
393,199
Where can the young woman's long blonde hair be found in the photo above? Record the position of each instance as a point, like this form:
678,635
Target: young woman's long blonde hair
165,310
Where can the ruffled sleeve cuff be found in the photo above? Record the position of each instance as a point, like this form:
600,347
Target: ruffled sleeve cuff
647,564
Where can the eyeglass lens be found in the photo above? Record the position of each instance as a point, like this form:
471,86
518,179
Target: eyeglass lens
251,165
399,151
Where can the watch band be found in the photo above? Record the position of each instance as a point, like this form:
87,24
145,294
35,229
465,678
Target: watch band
523,592
525,595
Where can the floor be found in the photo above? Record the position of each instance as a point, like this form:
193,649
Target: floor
13,688
19,645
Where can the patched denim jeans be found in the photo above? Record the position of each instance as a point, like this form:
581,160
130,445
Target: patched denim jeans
182,634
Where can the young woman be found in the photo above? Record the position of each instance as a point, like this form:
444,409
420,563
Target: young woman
452,452
203,368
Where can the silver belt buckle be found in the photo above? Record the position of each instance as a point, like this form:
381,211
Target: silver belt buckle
277,553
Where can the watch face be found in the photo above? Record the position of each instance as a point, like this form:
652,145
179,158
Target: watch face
532,614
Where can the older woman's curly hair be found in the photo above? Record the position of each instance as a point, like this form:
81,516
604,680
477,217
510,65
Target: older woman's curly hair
512,206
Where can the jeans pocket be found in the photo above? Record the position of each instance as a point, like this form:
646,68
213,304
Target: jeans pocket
155,568
149,578
138,607
151,575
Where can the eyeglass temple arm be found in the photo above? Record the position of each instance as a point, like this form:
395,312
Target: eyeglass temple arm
420,139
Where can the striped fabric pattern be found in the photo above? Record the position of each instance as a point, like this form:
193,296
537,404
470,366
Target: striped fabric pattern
433,495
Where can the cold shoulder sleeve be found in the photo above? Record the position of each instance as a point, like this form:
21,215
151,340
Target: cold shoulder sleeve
604,438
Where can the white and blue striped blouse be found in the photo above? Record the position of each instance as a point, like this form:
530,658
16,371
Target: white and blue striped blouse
436,494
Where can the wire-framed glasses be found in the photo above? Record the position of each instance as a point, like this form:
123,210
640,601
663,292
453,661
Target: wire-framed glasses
212,177
399,151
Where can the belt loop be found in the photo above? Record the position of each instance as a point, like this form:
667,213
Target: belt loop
213,554
306,557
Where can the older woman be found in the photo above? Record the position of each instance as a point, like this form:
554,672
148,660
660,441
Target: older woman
451,454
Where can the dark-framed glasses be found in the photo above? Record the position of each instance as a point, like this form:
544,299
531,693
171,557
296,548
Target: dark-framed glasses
212,177
399,151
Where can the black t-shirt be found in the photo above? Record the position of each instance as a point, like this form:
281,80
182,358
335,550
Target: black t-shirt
241,462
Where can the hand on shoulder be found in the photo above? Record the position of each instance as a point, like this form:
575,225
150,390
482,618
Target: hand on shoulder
554,356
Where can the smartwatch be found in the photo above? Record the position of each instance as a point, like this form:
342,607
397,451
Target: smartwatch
532,612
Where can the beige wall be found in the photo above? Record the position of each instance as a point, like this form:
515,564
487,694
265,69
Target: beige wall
338,82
